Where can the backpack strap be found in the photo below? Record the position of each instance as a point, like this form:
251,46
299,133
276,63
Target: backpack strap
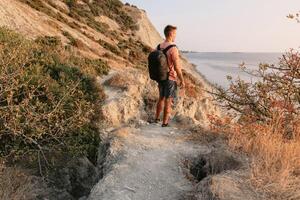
168,48
158,47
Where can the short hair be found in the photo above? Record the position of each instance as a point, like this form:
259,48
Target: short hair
169,29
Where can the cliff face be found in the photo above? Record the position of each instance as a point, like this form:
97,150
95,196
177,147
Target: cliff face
146,32
123,36
55,17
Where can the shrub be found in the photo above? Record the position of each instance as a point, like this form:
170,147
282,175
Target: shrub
95,67
114,10
15,184
71,3
277,87
72,40
46,102
112,48
266,125
193,88
138,52
48,41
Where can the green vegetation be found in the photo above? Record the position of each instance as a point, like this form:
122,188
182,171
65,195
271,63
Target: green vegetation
71,3
40,6
110,8
72,40
137,52
276,85
112,48
268,127
48,98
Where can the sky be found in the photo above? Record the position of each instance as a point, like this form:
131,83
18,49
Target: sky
227,25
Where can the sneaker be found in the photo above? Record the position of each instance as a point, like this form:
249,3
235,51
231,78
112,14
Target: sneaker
154,121
165,125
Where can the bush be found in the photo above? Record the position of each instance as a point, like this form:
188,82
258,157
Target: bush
95,67
114,10
46,102
266,125
112,48
71,3
48,41
72,40
277,88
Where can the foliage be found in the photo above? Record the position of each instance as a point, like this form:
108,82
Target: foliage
276,87
72,40
193,88
137,51
112,48
40,6
46,101
274,157
114,10
96,67
267,125
71,3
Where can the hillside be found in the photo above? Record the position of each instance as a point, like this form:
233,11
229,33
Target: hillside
85,25
121,37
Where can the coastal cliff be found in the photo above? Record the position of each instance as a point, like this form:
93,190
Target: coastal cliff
121,36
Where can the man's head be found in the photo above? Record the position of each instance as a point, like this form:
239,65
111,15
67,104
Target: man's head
170,32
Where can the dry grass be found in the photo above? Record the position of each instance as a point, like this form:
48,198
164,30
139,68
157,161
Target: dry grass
193,88
16,185
275,165
118,81
268,128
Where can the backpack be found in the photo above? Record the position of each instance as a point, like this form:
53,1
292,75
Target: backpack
158,64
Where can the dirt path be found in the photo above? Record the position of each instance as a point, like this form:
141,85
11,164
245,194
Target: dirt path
146,162
150,167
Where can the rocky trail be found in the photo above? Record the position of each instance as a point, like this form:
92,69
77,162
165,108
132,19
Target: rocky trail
151,166
148,162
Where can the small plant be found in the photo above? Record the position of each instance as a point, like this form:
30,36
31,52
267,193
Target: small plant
72,40
71,3
49,41
137,51
95,67
110,47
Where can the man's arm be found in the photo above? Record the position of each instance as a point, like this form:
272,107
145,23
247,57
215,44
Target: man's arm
177,67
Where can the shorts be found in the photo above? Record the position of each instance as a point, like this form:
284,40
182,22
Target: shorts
167,89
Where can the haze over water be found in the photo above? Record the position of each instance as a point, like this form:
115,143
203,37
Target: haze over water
216,66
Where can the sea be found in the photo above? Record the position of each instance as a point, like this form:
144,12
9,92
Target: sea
216,66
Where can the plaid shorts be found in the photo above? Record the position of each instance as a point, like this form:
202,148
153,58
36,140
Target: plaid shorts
167,89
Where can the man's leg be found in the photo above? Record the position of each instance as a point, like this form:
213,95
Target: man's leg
159,107
167,110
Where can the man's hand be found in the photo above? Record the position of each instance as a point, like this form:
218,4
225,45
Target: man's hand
181,84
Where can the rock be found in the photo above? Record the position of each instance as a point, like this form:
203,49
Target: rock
225,187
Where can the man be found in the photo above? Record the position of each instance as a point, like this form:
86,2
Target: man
167,89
